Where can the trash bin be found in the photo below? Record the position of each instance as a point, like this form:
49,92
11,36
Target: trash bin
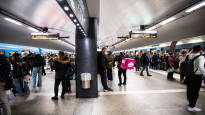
85,78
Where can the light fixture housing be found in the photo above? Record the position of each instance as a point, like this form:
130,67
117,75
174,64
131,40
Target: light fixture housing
13,21
195,7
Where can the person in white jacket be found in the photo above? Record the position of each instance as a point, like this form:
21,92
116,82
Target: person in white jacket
194,82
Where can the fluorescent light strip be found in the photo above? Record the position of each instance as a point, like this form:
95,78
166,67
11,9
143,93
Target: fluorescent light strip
195,7
168,20
32,29
13,21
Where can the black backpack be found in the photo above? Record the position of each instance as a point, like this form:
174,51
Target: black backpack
187,66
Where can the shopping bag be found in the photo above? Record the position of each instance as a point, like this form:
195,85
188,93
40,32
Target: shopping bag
170,69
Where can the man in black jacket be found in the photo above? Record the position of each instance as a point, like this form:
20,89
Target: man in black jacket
145,64
60,67
5,70
102,66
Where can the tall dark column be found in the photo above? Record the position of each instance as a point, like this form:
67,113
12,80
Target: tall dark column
86,60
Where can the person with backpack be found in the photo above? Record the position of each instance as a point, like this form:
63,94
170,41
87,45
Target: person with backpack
37,70
145,64
121,70
5,69
192,66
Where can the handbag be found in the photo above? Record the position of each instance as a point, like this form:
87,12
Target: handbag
10,95
170,69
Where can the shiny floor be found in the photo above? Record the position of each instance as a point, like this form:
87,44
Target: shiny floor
141,96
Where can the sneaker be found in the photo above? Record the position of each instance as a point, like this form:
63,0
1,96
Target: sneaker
149,75
194,109
119,84
109,89
54,98
141,75
124,83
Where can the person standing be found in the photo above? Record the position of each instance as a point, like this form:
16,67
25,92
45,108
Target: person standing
102,67
171,60
60,67
138,63
121,70
145,64
194,81
5,69
110,66
181,57
37,70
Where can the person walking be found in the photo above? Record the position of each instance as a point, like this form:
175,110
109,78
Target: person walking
102,68
60,67
145,64
121,70
110,66
5,69
194,80
37,70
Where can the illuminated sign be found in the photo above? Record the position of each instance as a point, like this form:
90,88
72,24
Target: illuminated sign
143,35
45,36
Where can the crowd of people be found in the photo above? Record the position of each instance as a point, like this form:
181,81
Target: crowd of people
16,70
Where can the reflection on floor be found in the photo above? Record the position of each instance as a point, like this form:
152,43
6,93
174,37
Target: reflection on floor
141,96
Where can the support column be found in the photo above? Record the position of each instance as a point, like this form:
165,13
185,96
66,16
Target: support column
86,60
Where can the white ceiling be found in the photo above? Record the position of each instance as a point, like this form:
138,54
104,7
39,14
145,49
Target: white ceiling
117,17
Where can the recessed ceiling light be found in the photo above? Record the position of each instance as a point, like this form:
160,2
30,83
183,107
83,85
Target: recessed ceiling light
79,27
71,15
77,24
75,20
81,30
195,7
66,8
13,21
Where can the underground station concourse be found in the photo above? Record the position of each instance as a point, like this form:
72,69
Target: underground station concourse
83,28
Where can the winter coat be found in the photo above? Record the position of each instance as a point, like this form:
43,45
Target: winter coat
171,62
144,60
102,62
110,61
61,67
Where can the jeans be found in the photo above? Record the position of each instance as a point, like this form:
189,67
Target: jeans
56,86
109,74
120,72
20,85
147,70
37,70
4,102
104,80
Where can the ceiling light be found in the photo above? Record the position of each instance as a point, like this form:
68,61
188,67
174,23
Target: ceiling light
152,28
79,27
75,20
66,8
60,0
71,15
81,30
32,29
77,24
167,21
195,7
13,21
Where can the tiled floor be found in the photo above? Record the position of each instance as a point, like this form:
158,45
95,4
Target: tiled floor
142,96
